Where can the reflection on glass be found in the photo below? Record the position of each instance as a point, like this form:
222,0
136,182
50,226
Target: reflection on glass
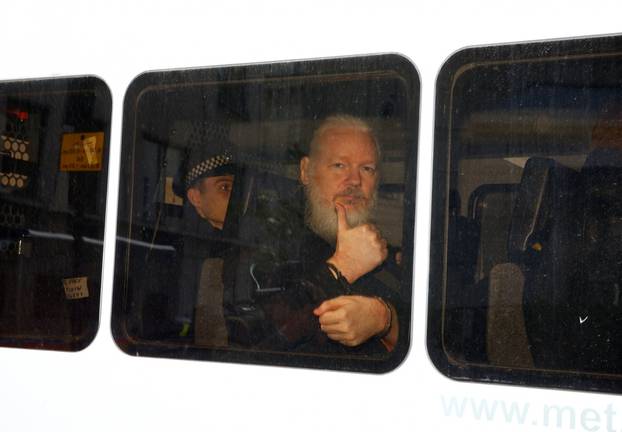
267,215
53,154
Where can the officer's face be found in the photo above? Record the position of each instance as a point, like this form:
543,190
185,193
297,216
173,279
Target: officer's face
210,198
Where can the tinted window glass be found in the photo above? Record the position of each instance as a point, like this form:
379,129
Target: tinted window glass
525,259
214,257
54,140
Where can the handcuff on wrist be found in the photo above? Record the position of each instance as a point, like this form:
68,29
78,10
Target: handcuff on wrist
387,327
343,282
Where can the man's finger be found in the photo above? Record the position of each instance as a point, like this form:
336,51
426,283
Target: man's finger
339,337
331,317
342,220
330,305
334,328
323,308
343,339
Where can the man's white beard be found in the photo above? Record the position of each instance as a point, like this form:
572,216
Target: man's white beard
321,216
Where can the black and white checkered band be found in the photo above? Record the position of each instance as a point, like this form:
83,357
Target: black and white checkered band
207,165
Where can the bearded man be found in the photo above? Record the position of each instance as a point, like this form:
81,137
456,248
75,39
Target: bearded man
345,303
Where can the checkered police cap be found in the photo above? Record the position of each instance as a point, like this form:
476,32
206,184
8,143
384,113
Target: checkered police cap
206,167
209,152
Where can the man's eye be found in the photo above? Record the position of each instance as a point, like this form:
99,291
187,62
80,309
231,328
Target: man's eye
369,169
225,187
339,165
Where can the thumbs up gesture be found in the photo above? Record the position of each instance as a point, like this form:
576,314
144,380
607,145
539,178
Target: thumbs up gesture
359,249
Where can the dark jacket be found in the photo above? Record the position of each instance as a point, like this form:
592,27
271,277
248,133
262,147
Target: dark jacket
308,282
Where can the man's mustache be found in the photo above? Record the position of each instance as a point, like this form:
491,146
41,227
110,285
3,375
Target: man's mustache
351,192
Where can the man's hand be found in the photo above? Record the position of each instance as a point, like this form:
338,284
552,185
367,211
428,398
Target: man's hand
359,250
352,320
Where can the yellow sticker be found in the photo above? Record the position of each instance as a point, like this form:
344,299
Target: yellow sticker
76,288
82,151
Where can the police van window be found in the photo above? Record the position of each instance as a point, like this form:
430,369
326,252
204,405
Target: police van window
266,214
54,140
525,272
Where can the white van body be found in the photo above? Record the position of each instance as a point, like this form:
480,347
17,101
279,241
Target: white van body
103,389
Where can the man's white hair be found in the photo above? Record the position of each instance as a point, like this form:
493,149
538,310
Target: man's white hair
342,121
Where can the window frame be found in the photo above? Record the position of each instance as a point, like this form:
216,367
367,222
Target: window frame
40,88
370,65
460,62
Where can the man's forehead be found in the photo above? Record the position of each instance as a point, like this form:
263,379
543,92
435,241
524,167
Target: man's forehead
333,138
345,131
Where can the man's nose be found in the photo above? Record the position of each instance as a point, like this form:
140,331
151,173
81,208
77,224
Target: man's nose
354,177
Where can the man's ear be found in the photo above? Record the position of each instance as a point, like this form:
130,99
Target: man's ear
194,196
304,170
